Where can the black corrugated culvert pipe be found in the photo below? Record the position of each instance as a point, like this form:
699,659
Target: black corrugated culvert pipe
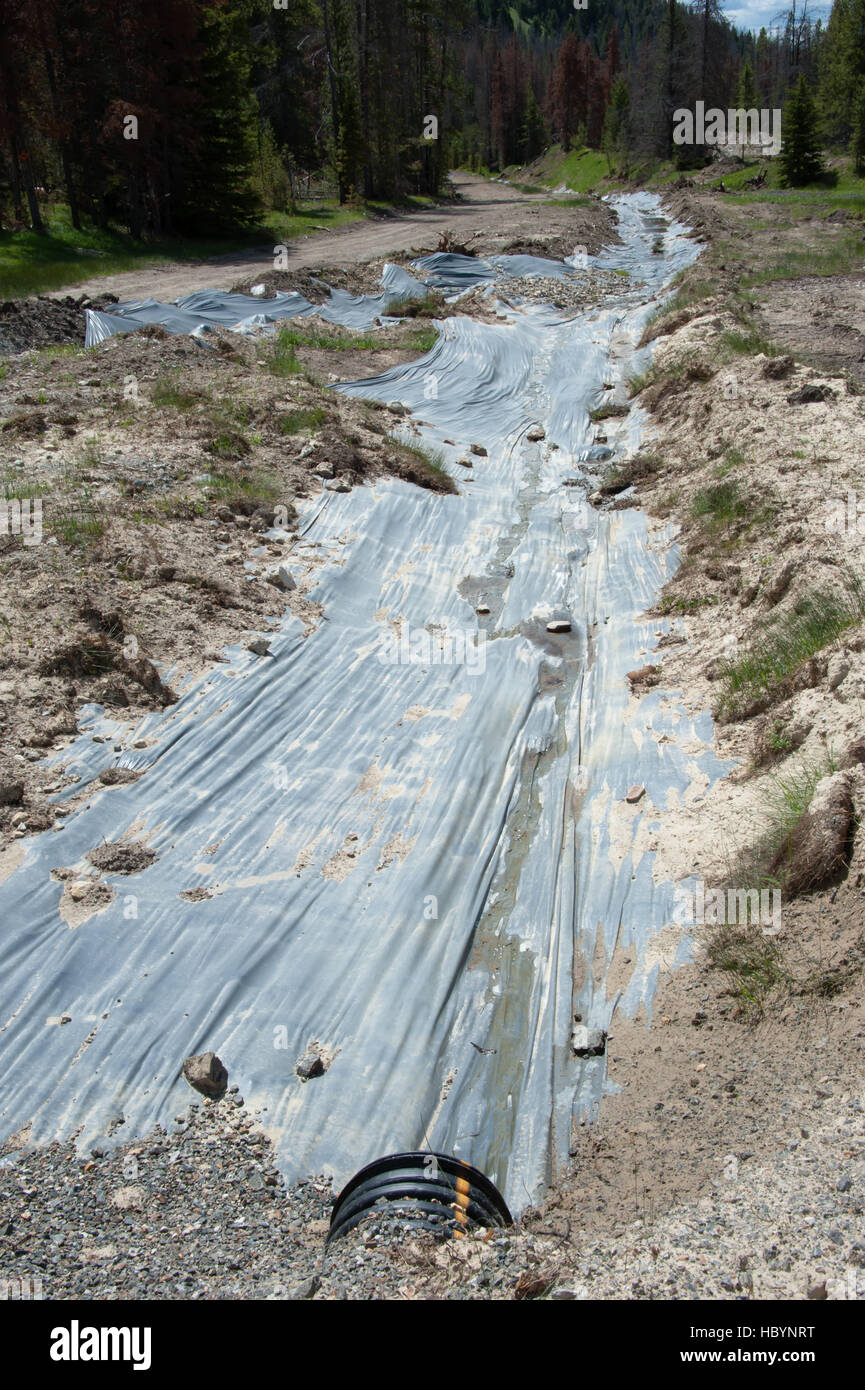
438,1192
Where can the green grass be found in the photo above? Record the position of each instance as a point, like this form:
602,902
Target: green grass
14,485
76,526
608,412
749,342
299,421
846,255
720,505
423,340
763,672
280,357
421,464
31,264
340,340
580,170
166,391
225,484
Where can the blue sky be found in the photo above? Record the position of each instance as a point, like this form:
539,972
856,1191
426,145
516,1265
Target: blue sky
752,14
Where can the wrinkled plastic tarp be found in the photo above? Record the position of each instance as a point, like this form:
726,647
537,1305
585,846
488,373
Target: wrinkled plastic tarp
197,313
422,866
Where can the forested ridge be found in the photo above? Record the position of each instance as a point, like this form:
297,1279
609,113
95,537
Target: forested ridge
177,116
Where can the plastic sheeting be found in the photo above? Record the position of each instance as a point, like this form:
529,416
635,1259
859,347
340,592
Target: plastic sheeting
423,866
198,313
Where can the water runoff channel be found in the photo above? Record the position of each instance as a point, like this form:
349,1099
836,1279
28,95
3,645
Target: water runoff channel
425,866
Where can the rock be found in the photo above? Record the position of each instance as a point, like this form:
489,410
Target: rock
323,470
305,1289
11,793
478,449
116,776
223,514
843,1184
309,1065
818,844
79,889
645,676
838,669
588,1042
281,578
559,625
465,463
811,394
397,408
634,794
338,485
817,1292
778,367
259,646
715,571
482,609
536,433
206,1073
132,1198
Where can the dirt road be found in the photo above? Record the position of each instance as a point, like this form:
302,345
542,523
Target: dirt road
480,205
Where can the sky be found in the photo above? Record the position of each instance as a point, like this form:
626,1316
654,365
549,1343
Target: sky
753,14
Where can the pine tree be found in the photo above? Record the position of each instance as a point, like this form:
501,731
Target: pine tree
616,137
801,159
534,130
747,96
857,143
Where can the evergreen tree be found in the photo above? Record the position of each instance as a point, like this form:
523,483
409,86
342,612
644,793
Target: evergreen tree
747,96
857,143
616,137
801,160
534,129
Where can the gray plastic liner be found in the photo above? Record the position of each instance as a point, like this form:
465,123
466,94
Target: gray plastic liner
423,867
207,309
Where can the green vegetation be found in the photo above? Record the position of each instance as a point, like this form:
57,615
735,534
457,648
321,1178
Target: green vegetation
300,421
762,674
31,263
720,505
260,487
167,391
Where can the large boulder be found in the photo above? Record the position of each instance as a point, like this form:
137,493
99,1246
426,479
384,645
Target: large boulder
206,1073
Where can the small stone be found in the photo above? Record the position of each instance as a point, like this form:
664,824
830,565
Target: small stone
843,1184
465,462
588,1042
282,578
817,1292
259,646
536,433
310,1065
559,625
11,793
634,793
478,449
